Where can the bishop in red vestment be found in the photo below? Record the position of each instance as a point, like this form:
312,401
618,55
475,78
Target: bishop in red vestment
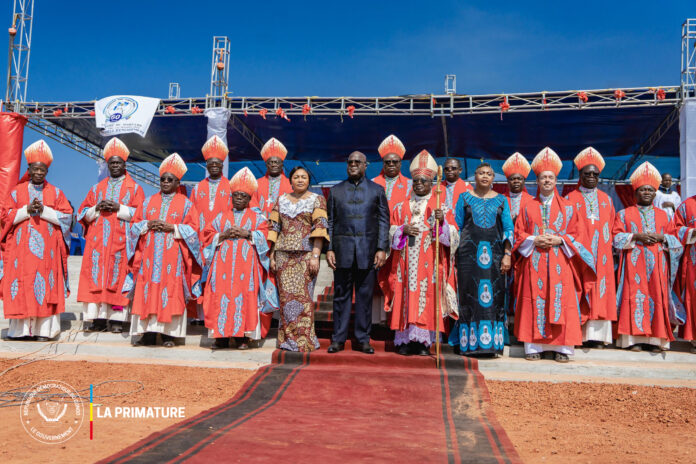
211,196
410,294
550,267
165,259
274,183
684,227
397,188
105,214
596,212
516,169
34,267
237,291
648,266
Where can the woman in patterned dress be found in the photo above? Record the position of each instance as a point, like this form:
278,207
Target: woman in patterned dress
298,228
483,257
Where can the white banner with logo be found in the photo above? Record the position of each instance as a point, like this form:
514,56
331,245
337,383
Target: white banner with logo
122,114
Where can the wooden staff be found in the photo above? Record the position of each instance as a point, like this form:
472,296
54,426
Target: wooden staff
437,271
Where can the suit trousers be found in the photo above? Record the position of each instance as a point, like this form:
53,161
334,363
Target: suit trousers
363,281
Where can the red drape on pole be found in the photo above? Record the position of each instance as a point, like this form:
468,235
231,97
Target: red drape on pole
626,194
11,138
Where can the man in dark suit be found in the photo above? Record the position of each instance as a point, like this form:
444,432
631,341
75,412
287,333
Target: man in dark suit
359,230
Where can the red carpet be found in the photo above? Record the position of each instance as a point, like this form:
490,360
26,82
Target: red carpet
346,407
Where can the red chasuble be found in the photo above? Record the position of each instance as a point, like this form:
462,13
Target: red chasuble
683,223
268,193
549,289
597,238
104,263
450,194
200,196
34,267
237,275
410,294
398,192
166,270
517,203
646,273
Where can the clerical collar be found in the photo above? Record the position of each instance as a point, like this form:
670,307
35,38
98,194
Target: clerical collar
546,199
117,179
417,197
390,179
449,184
515,195
214,181
168,195
587,190
645,208
665,189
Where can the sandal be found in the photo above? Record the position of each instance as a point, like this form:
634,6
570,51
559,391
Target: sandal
561,358
532,357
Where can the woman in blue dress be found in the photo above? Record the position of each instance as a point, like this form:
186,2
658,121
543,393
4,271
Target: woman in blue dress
483,258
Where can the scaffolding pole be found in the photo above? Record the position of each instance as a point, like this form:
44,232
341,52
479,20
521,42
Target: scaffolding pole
688,58
19,50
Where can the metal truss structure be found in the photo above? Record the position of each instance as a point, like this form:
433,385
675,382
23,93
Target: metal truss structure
451,84
80,145
409,105
220,66
174,90
19,50
688,58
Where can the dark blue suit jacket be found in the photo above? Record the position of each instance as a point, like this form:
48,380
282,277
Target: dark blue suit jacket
358,222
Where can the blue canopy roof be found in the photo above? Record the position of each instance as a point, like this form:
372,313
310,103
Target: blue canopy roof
322,143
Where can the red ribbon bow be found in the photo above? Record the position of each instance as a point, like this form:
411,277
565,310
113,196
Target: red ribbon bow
661,94
263,112
196,110
351,110
170,110
306,109
582,96
619,94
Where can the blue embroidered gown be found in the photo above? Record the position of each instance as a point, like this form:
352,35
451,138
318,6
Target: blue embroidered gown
485,225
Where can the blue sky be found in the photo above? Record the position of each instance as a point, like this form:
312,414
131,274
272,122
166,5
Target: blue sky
84,50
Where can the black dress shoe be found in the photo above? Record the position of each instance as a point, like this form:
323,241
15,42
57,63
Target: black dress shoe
335,347
403,350
423,350
365,347
146,339
116,327
220,344
97,325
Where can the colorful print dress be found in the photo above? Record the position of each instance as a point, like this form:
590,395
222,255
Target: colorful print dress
293,228
485,225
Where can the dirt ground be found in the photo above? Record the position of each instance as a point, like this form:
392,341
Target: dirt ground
596,423
547,422
197,389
